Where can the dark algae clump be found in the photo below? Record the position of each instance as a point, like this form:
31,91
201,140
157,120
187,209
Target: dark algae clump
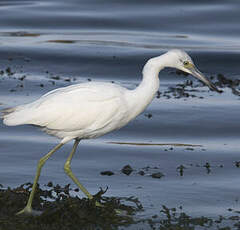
181,169
188,89
107,173
157,175
65,212
127,169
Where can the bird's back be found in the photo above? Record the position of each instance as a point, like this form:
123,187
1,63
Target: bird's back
86,106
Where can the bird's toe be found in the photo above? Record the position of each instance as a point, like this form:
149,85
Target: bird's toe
99,204
28,211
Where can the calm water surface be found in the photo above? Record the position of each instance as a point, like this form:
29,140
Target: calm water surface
57,43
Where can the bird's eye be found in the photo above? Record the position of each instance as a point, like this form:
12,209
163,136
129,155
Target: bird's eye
186,63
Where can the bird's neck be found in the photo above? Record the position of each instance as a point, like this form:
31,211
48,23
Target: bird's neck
145,92
150,81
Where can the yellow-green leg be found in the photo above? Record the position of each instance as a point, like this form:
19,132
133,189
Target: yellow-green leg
28,209
67,169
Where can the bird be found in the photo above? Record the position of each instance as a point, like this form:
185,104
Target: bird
92,109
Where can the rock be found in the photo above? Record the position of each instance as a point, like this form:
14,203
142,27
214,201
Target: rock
127,169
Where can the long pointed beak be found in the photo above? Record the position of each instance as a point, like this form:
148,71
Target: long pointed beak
196,73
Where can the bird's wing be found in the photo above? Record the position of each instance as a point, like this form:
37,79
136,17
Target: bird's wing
77,108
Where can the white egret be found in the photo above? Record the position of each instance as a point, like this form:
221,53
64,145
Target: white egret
92,109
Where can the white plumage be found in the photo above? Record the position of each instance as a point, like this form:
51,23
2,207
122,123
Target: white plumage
84,110
91,110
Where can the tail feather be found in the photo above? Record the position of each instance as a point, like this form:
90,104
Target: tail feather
7,111
18,115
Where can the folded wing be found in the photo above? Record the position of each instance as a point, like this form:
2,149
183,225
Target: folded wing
76,107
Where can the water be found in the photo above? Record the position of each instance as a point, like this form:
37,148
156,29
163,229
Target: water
54,43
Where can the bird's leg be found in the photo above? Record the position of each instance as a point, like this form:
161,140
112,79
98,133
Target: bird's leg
68,171
28,208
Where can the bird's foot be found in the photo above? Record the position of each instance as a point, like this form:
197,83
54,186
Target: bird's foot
99,204
28,211
118,211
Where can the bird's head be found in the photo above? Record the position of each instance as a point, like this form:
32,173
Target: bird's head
179,59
